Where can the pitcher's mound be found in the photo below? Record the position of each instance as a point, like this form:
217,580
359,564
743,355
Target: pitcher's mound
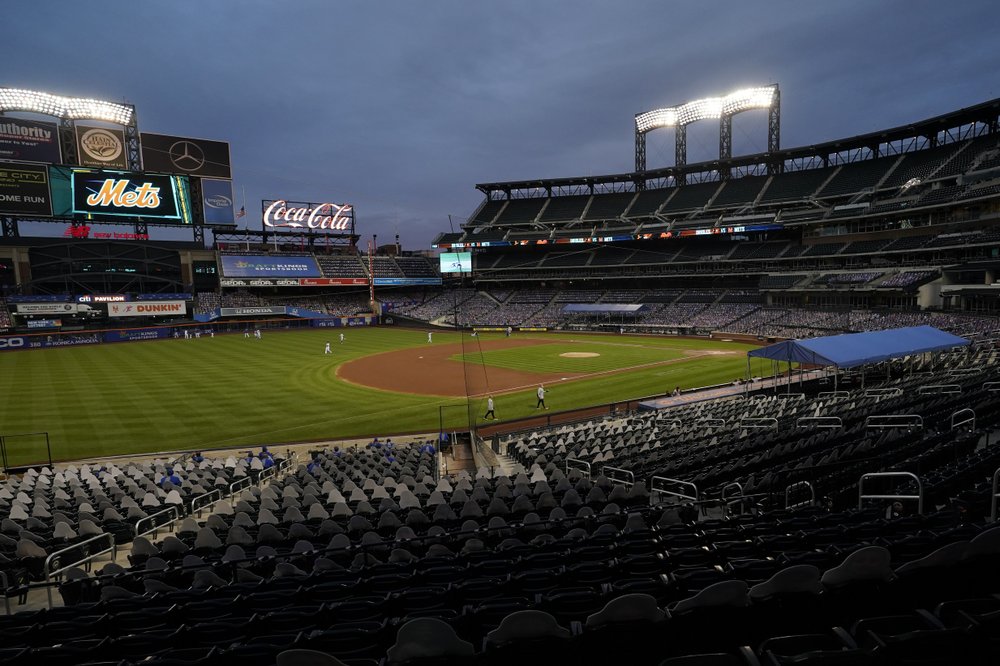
579,355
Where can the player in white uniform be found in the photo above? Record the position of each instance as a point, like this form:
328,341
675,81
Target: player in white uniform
327,349
341,338
430,337
256,333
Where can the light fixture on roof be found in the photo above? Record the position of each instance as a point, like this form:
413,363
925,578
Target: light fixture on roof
74,108
709,107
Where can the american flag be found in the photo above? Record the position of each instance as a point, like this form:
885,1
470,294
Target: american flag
242,211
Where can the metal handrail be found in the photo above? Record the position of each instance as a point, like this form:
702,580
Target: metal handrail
968,416
894,421
112,548
266,473
735,484
156,527
881,392
673,423
942,389
908,475
800,484
819,422
993,387
833,394
6,586
630,481
244,483
578,465
995,495
205,500
711,423
760,423
654,490
961,372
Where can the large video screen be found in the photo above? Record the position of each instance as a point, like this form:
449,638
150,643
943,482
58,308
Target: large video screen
456,262
130,194
236,266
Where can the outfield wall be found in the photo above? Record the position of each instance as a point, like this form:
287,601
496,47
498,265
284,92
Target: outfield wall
26,341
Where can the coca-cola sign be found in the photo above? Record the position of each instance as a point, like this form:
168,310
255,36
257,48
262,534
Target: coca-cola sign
282,214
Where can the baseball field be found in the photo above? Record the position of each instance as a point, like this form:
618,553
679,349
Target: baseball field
231,391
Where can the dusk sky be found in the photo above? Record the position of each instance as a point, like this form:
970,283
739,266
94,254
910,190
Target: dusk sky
402,107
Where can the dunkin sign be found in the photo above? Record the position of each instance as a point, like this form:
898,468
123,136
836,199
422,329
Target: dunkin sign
147,309
324,216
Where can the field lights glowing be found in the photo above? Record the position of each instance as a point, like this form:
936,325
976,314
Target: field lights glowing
703,109
13,99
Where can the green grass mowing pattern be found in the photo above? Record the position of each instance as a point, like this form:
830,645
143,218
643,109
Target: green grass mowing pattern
230,391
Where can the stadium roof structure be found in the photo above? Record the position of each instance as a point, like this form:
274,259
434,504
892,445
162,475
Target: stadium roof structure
854,349
943,128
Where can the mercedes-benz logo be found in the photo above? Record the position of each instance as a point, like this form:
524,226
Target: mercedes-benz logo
187,156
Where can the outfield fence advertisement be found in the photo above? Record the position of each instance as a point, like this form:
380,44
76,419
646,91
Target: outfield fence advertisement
265,311
265,266
15,342
340,322
136,334
147,309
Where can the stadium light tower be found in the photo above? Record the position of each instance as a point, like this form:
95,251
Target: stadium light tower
723,108
69,109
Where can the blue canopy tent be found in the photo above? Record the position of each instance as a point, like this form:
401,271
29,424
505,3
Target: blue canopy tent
855,349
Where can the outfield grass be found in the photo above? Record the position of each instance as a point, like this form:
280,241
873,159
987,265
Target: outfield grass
229,391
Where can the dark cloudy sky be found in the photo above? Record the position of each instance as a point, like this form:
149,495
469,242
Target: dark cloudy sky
401,107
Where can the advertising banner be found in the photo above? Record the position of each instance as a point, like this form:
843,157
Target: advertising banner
268,266
127,194
44,323
147,309
404,282
17,342
24,189
339,322
278,214
29,141
267,310
101,147
184,155
217,201
333,282
46,308
134,334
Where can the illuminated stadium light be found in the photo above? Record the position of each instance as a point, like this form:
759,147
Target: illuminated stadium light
14,99
703,109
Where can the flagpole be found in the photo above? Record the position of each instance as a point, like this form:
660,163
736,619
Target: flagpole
244,209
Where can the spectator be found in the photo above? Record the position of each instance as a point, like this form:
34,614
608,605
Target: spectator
170,476
197,457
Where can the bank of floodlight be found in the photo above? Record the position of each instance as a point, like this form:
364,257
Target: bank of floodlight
718,108
74,108
705,109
